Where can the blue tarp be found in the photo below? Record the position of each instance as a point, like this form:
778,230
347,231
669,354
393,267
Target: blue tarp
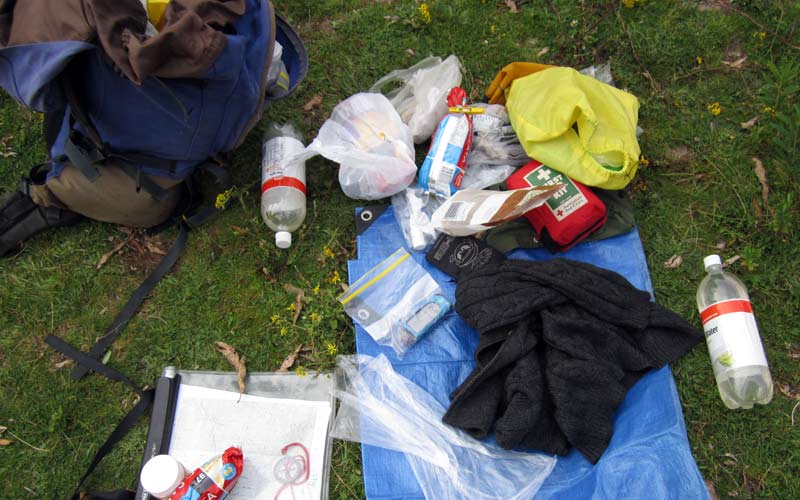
649,454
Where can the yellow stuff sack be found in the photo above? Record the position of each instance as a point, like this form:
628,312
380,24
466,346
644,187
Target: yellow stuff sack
577,125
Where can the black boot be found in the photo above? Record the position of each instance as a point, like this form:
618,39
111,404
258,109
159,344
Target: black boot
21,218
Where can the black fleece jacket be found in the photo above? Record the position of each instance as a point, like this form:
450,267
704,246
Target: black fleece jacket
560,344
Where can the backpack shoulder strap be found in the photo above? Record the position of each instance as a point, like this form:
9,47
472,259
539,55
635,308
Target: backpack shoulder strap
125,425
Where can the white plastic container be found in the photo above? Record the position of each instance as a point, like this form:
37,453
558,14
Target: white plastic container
283,184
737,356
161,475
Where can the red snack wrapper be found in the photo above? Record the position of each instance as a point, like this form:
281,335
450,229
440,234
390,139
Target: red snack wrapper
214,479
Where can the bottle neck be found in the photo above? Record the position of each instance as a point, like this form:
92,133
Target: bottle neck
714,269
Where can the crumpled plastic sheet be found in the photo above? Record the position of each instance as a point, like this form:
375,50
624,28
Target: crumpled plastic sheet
380,408
649,454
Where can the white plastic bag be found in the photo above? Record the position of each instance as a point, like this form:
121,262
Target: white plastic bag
366,136
421,100
381,408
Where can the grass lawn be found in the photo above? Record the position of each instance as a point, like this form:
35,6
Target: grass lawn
718,86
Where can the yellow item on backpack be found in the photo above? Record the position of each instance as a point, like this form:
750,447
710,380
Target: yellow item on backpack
155,12
577,125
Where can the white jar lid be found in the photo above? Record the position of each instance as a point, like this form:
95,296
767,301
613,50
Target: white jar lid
712,260
161,475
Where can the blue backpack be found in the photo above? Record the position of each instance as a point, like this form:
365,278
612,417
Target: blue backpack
163,127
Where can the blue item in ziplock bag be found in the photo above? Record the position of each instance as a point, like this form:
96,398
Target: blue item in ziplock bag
396,302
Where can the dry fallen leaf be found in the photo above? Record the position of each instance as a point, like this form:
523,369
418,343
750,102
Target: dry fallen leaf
298,301
680,154
152,245
787,391
312,103
761,173
749,123
236,361
5,442
733,259
709,5
673,262
512,6
62,364
290,359
757,208
712,491
720,245
411,52
110,253
737,64
543,52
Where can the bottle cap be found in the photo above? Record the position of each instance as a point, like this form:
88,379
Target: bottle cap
283,239
712,260
161,475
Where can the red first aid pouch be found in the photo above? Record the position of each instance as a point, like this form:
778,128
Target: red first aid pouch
568,216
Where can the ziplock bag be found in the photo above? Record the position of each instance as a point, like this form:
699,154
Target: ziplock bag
378,407
420,99
396,302
413,210
373,146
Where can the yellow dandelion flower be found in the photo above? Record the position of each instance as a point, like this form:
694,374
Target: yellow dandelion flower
492,28
761,35
335,278
300,371
715,108
291,307
699,60
425,13
222,199
316,290
643,161
315,317
332,349
275,318
328,252
769,110
283,331
629,3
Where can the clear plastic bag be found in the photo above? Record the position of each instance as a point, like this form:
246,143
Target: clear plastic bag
366,136
396,302
484,176
495,142
378,407
413,210
421,98
600,72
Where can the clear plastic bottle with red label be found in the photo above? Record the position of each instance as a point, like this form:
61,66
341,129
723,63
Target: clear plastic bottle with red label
734,344
283,182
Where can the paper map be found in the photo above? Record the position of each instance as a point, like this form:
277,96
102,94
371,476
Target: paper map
207,421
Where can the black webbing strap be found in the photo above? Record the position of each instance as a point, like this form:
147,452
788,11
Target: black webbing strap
134,302
125,425
188,222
